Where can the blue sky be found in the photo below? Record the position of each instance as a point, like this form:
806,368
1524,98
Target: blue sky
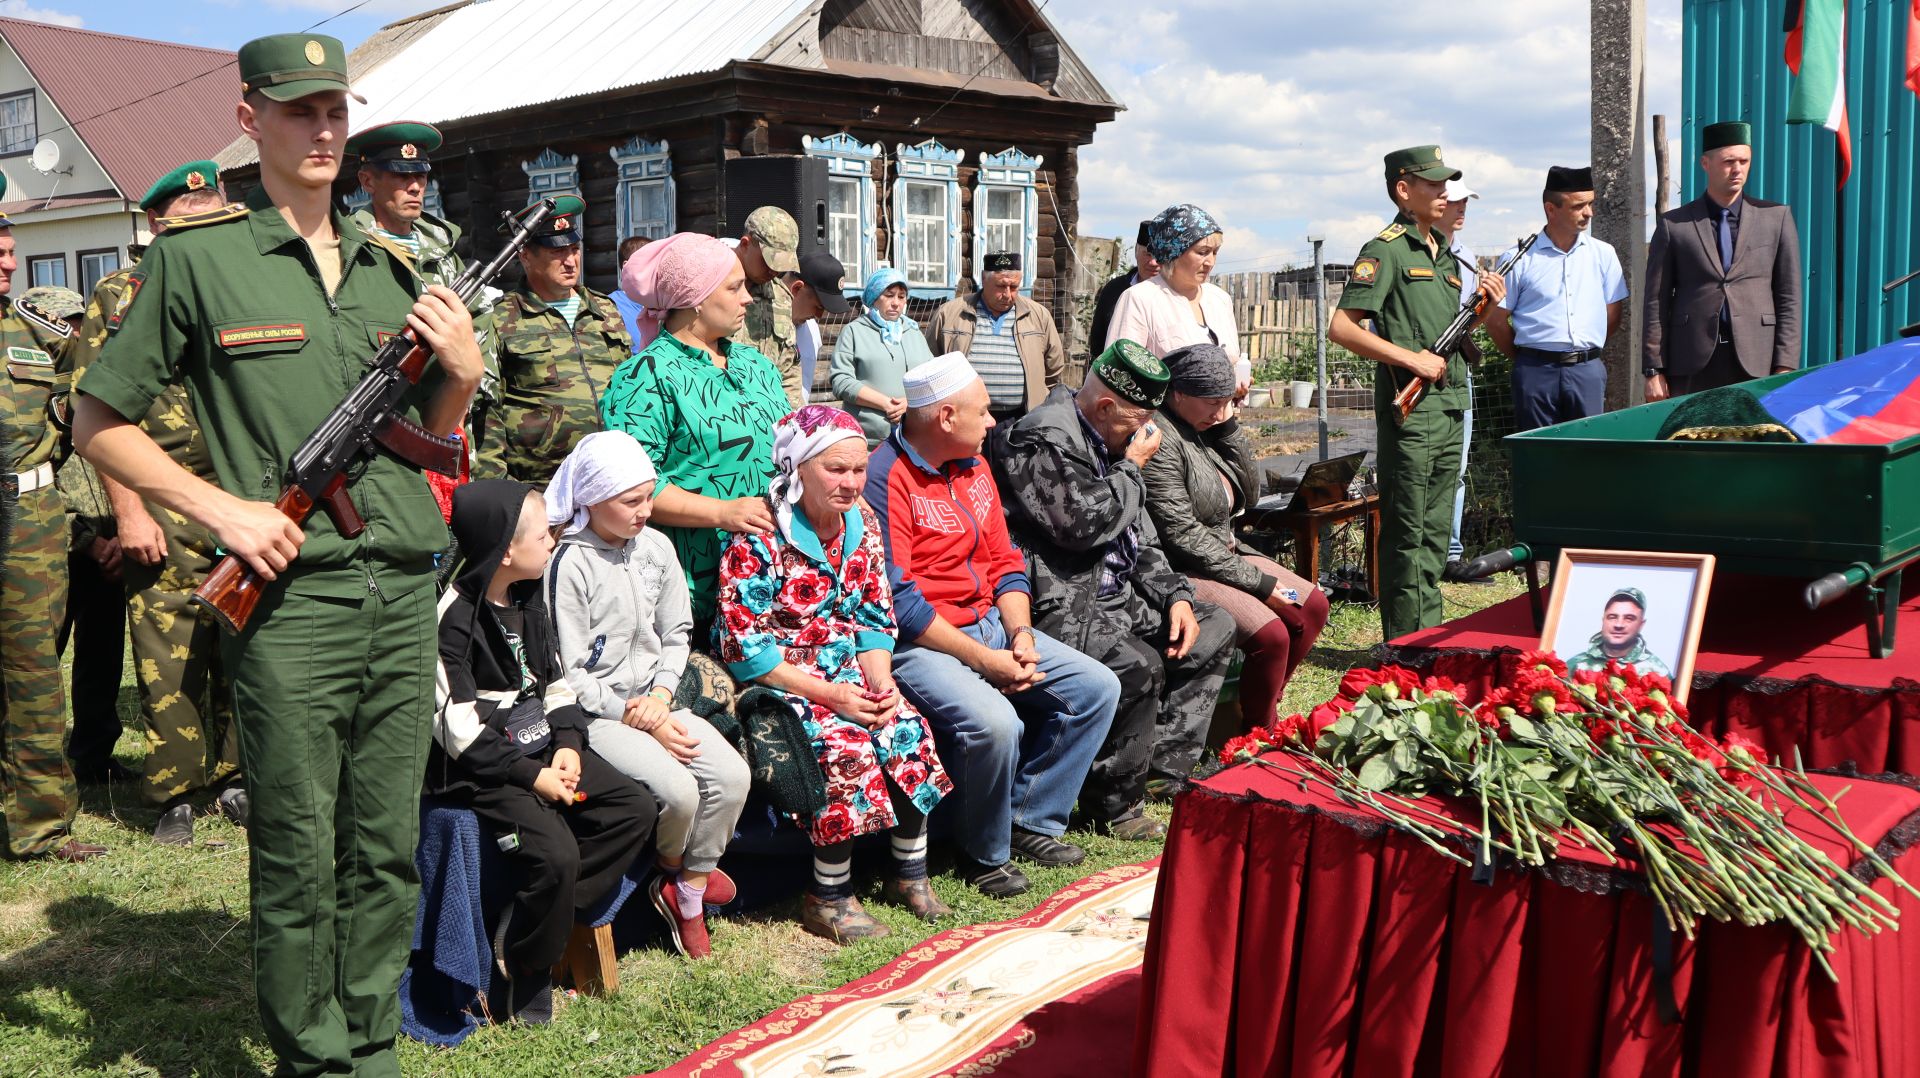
1273,114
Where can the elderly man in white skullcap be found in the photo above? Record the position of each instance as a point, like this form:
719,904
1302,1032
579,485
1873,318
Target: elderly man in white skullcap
1017,716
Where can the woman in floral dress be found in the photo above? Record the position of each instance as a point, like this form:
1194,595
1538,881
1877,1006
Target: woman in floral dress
806,611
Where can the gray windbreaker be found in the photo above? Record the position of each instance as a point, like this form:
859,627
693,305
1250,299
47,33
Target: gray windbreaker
623,617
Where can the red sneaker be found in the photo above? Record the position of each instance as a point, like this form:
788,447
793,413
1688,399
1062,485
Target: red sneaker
720,889
689,933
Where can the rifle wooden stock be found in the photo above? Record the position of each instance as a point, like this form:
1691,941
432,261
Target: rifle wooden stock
232,589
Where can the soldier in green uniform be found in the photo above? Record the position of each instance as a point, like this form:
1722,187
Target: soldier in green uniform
1622,621
268,312
1407,282
186,702
36,782
558,344
395,161
767,253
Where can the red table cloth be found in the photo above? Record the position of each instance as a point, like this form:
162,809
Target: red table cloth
1767,668
1296,935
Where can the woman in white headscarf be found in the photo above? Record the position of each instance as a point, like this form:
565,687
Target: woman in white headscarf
806,611
620,607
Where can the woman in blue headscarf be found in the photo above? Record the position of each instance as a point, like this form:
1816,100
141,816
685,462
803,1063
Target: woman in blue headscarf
874,354
1180,307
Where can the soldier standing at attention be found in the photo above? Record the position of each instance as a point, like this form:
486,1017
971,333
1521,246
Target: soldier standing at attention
1407,281
186,702
767,252
559,343
36,782
268,312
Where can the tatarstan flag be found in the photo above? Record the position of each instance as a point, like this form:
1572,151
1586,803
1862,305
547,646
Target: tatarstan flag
1913,48
1816,54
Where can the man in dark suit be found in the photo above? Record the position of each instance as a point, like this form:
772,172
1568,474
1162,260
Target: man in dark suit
1145,268
1723,280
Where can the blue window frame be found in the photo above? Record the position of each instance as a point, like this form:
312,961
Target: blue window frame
926,218
1006,211
853,216
644,203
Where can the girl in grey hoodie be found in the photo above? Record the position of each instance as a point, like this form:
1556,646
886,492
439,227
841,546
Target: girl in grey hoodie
620,607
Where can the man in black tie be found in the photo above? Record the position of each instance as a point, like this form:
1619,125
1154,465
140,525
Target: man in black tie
1723,280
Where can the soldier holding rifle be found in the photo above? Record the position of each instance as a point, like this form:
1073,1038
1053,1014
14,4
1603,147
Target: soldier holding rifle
1407,282
268,312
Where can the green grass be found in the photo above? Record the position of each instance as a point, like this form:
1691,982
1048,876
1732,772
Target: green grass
138,963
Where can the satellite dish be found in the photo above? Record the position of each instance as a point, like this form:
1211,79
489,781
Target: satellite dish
46,156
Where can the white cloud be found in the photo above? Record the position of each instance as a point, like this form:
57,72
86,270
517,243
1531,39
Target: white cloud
15,10
1274,116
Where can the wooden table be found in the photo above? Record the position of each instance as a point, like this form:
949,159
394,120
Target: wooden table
1305,527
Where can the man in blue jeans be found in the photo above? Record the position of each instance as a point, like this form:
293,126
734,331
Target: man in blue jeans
1017,715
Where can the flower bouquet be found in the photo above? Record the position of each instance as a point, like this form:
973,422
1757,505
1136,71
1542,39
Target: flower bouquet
1603,760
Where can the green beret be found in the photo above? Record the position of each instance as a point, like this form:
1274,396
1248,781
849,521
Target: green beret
1421,161
1730,133
1134,373
192,176
401,146
1632,595
288,67
561,228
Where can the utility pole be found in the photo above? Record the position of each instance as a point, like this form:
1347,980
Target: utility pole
1320,337
1619,150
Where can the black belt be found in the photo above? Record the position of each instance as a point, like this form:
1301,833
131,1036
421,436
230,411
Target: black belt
1564,359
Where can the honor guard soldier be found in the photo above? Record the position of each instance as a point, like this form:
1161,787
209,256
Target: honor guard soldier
768,252
36,781
559,343
268,312
1408,283
186,702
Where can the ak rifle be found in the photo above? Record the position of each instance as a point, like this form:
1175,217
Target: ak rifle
370,418
1451,338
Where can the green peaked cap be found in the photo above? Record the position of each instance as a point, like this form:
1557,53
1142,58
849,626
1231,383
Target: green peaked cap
190,177
562,227
288,67
1134,373
1421,161
400,146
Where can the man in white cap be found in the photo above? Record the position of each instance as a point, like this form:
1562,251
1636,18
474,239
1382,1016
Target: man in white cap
1018,716
1450,226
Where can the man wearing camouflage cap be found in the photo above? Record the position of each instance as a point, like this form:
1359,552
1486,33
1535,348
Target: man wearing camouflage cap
333,674
1069,473
1622,621
767,250
186,701
1407,283
558,343
36,782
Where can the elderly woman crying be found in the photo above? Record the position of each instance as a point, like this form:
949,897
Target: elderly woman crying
806,610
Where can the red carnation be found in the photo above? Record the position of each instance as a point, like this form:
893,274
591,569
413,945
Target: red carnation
1358,680
1327,714
1543,660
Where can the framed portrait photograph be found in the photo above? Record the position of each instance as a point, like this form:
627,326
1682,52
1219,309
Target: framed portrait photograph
1638,608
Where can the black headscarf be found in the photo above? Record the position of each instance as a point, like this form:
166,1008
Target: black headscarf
485,518
1202,370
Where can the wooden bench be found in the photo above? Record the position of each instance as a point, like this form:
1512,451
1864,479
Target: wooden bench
1273,516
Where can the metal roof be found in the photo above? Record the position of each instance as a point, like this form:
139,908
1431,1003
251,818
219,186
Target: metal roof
142,107
506,54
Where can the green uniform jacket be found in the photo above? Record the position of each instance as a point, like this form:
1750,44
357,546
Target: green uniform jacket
1411,293
1639,656
231,304
552,375
769,328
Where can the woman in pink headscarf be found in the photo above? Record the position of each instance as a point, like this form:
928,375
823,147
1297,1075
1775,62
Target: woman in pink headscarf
702,405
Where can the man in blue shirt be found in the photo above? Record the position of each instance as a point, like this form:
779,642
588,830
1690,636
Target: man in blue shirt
1564,299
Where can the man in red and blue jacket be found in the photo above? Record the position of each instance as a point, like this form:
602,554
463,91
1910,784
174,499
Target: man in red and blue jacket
1017,715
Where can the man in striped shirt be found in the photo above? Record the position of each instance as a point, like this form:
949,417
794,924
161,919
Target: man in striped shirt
1010,340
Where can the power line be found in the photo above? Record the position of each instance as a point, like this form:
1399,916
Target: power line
191,78
917,120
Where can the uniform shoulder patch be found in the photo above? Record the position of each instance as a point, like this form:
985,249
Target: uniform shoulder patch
120,307
54,327
1393,231
232,211
1366,270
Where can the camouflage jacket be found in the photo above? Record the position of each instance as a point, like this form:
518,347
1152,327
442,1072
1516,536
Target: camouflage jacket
170,422
769,328
551,376
32,416
1064,509
1639,656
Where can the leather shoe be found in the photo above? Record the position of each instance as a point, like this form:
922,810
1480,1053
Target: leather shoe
996,881
75,852
175,826
234,805
1044,849
1136,828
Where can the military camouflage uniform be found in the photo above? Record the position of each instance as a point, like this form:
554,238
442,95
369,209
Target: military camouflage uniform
1639,656
186,702
769,328
551,375
1069,507
35,780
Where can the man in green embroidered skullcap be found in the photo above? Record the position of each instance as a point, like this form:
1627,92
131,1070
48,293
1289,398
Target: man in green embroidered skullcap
1069,475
